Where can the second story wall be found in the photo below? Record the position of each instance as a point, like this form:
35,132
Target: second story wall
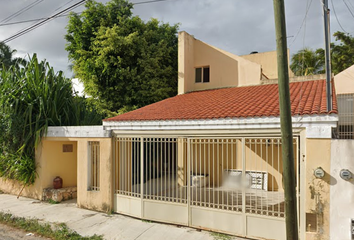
225,69
268,61
344,81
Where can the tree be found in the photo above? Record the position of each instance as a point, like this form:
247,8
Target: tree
307,62
123,62
7,57
342,53
31,99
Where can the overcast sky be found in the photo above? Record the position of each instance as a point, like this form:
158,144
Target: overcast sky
237,26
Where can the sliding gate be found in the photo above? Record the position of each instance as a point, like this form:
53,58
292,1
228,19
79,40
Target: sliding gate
231,185
150,179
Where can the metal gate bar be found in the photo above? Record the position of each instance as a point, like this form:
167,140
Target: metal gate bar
227,175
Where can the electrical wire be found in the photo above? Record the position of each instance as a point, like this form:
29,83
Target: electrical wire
25,21
351,4
348,8
302,24
62,5
335,14
22,10
153,1
36,25
64,15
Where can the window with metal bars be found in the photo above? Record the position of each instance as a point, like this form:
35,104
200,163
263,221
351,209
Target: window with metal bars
345,128
94,166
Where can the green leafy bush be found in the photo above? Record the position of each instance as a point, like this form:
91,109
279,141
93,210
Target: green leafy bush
33,98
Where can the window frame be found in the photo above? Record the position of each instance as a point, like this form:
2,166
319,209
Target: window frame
345,128
202,74
94,166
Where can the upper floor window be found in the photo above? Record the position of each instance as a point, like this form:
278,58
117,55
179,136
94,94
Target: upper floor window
202,74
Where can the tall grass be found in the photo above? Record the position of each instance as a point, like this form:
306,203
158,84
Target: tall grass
31,99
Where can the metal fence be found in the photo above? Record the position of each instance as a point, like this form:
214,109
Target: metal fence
233,174
345,129
127,166
94,166
163,168
236,173
163,179
264,169
216,171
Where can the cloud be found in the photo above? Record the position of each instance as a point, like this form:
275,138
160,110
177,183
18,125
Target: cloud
233,25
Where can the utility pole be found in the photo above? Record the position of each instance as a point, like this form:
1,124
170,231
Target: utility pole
327,54
286,123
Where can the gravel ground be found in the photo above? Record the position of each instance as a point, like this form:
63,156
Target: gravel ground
10,233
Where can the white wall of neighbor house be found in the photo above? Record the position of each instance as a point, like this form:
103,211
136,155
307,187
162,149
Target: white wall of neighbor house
341,191
344,81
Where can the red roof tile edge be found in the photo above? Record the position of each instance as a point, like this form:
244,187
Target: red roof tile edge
307,98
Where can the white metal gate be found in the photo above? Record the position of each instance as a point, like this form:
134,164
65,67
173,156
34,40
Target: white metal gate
231,185
150,181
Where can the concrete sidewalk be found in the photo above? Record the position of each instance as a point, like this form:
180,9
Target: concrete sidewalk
88,223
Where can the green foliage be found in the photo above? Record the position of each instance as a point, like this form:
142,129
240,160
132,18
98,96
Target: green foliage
58,232
51,201
6,57
19,167
342,53
308,62
123,62
31,99
220,236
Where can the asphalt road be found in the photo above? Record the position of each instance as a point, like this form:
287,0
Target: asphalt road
10,233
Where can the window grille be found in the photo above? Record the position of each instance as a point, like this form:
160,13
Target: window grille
94,166
345,129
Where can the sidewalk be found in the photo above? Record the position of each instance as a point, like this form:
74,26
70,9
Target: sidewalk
87,223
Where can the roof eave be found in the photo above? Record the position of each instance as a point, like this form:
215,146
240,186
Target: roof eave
303,121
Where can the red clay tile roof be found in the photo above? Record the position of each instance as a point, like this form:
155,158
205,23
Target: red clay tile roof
307,98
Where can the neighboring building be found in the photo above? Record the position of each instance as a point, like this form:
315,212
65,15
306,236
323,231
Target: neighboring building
342,155
209,157
268,61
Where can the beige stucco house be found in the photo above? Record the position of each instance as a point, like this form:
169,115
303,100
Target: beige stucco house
209,157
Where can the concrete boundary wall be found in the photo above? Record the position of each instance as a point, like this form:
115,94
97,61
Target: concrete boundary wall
342,191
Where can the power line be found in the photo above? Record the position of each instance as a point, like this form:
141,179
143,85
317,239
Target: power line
302,24
37,19
64,15
22,10
62,5
348,8
60,14
351,4
335,14
31,28
152,1
31,20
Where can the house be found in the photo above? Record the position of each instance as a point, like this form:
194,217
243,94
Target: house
209,157
342,156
